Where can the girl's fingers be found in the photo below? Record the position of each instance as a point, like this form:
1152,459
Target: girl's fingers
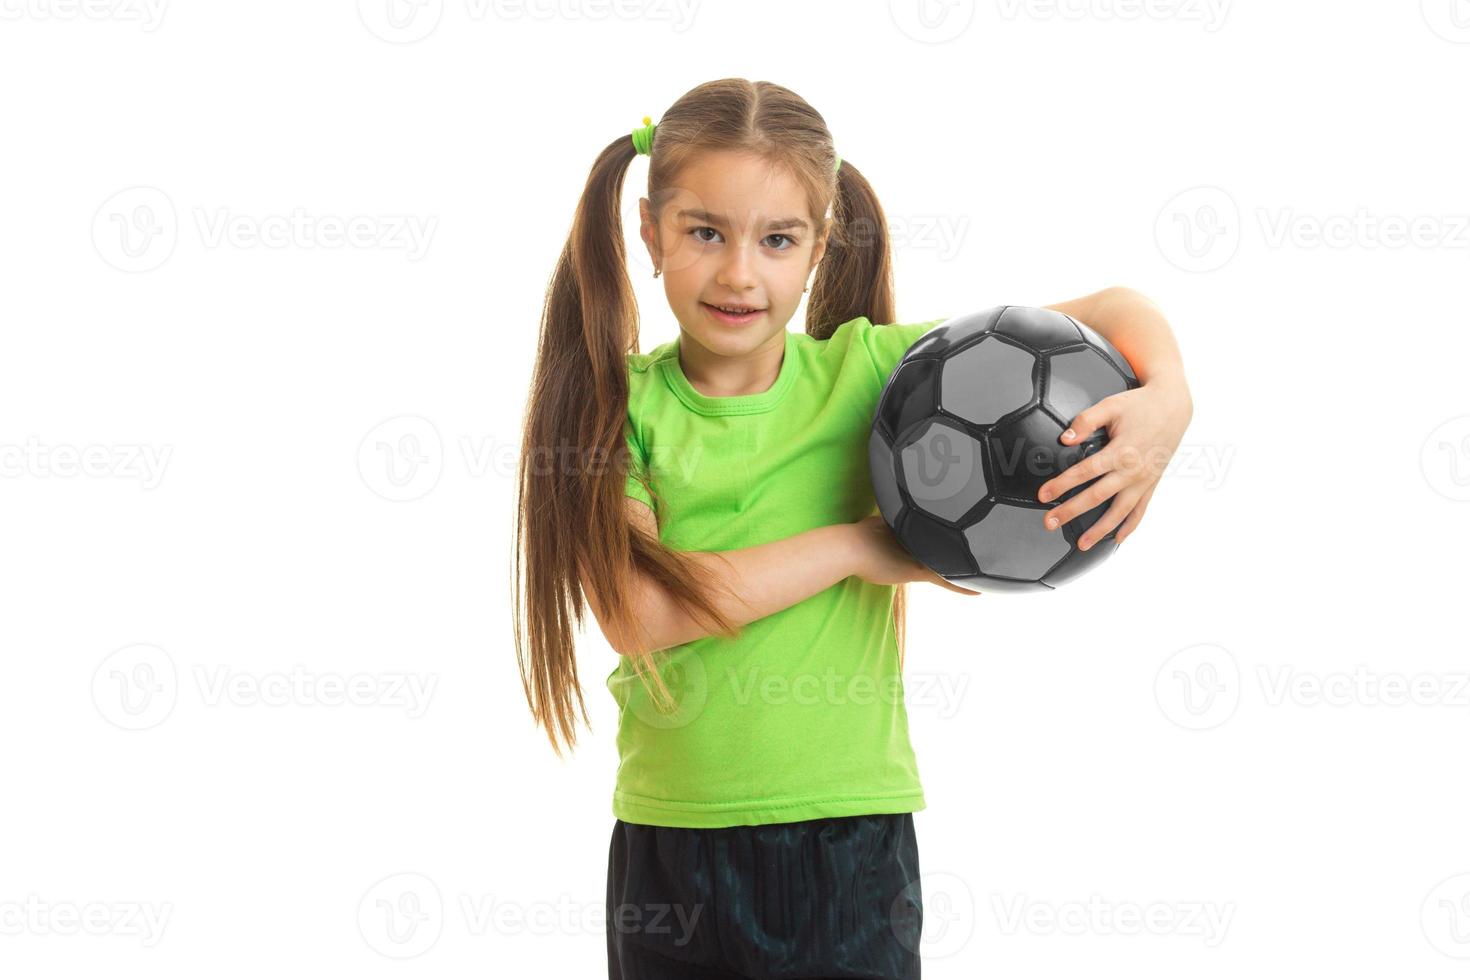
1135,515
1122,505
1078,473
1084,501
1085,422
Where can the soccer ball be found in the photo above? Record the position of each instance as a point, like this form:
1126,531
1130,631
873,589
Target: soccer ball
967,430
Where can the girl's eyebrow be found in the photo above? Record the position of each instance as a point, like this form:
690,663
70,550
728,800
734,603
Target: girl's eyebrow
777,223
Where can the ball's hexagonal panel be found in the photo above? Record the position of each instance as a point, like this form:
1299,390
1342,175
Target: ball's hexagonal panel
1077,379
1027,451
1101,343
938,546
885,479
911,395
956,330
943,471
1012,542
1037,328
984,382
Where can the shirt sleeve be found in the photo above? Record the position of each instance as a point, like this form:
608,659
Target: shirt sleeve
887,343
637,464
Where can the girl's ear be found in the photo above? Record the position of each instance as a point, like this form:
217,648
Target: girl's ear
818,250
648,230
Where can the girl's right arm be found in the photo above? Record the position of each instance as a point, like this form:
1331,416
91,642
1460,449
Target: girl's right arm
767,578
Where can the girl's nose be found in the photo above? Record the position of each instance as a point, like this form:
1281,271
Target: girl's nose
737,271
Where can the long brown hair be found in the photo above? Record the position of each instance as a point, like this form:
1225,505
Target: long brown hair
571,521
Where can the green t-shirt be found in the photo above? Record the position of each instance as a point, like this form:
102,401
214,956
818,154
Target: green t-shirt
803,716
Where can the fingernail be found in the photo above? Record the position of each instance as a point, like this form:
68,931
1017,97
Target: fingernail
1051,522
1068,434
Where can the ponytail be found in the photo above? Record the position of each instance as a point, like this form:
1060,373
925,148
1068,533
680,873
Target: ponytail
571,521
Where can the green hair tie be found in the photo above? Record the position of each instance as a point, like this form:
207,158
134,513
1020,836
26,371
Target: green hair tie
643,139
643,136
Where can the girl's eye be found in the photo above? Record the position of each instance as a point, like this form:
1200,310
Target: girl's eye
791,242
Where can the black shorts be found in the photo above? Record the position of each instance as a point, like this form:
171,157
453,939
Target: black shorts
835,897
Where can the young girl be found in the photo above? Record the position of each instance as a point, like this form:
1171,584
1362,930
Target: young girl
711,499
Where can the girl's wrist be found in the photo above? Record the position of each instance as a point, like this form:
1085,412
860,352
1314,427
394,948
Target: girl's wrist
847,543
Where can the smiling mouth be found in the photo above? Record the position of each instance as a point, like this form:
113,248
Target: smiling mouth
736,310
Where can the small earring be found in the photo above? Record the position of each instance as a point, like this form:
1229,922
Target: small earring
808,289
656,272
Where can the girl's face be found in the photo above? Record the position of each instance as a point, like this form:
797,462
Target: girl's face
736,232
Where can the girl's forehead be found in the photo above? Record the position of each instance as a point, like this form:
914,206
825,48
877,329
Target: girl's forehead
733,200
726,181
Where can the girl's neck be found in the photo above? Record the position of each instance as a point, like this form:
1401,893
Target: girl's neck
715,376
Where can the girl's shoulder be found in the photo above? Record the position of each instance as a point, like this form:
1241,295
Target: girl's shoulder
641,363
884,343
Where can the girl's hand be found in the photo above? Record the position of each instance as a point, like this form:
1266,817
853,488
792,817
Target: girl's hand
880,559
1144,427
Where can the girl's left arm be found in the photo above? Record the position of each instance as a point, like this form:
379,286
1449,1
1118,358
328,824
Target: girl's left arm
1144,424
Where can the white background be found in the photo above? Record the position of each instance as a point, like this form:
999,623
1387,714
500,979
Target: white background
237,470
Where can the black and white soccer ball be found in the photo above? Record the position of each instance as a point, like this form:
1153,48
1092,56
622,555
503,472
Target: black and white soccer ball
967,430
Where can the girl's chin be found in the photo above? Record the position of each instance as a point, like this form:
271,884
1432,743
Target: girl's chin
728,342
